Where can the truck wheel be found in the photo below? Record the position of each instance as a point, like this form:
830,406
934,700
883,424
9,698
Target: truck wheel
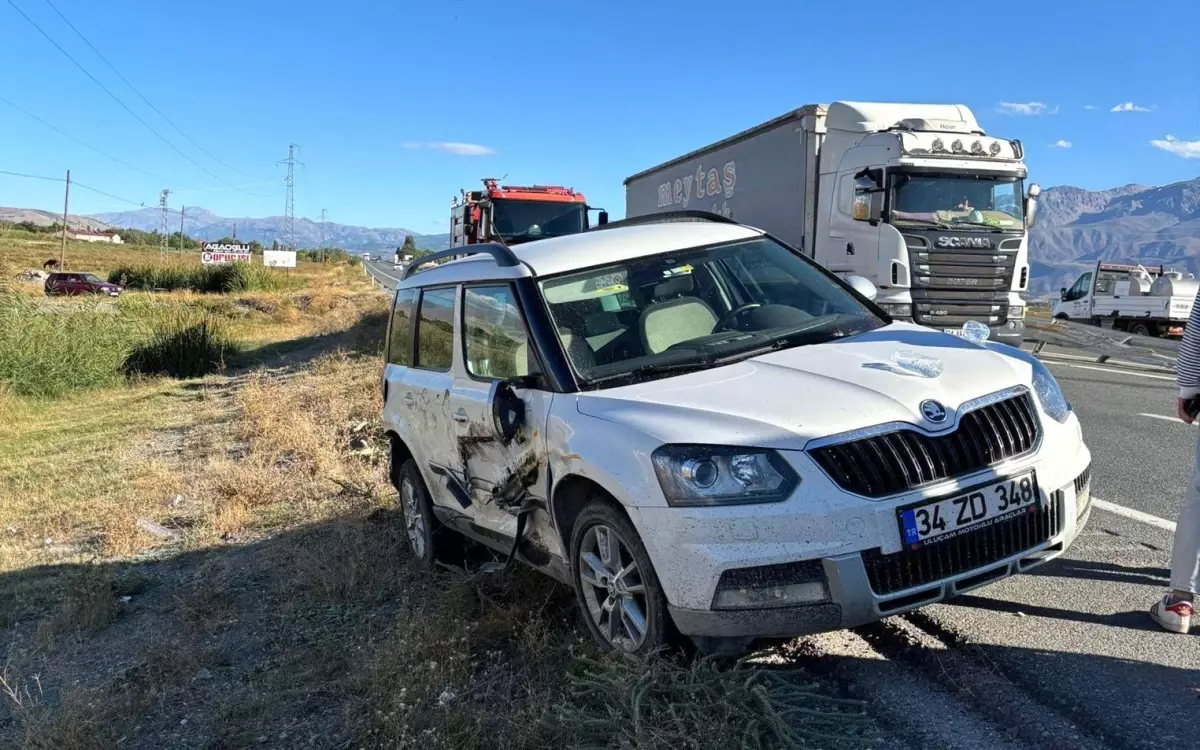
427,539
1140,329
1062,316
615,584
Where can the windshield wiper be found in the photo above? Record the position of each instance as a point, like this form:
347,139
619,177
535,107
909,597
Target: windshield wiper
661,368
927,222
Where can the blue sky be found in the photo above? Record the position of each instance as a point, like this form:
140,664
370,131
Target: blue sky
397,105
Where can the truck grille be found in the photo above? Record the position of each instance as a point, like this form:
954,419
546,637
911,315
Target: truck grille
893,462
937,560
952,286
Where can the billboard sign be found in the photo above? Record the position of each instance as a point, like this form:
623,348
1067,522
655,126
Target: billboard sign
220,253
279,259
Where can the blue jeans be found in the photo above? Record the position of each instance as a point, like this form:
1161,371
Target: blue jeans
1185,556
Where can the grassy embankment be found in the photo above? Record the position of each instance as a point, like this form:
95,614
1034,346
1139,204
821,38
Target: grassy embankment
214,562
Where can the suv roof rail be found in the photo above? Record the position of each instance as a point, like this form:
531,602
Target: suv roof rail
502,254
666,217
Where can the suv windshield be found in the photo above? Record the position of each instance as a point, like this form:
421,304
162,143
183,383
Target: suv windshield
532,220
663,314
959,201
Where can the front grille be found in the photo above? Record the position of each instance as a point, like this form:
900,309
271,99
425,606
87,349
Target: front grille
960,284
1083,481
976,549
883,465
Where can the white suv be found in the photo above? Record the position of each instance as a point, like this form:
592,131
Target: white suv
705,433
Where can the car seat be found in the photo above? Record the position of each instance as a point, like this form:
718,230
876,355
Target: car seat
675,316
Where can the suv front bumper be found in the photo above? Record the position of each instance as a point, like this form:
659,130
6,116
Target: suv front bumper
853,601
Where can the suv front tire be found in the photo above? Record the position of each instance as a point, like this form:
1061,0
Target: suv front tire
615,584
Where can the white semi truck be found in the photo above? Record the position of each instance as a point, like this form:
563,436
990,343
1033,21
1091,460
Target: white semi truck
1146,300
914,197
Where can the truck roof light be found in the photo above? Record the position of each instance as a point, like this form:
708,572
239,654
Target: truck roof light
938,145
957,146
977,148
994,149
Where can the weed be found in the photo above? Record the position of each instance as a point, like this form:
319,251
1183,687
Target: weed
223,279
183,344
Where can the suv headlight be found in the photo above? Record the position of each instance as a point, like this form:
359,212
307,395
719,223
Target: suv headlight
1048,392
720,475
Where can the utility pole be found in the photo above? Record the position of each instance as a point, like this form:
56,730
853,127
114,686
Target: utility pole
182,211
163,239
289,211
62,253
235,230
322,235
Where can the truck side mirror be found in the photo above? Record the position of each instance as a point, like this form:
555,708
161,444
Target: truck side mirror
602,219
1031,204
1063,294
863,286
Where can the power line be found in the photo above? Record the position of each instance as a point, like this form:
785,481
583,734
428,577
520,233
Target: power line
33,176
133,88
123,105
65,134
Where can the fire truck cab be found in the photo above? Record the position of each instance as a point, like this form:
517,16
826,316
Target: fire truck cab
513,214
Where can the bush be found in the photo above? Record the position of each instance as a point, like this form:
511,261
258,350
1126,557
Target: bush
183,344
235,277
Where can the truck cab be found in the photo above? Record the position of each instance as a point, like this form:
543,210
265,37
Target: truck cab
928,207
513,214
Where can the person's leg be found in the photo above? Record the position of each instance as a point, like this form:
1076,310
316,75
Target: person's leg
1175,611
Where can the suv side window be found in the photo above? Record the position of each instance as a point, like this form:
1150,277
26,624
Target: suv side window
435,329
496,341
400,343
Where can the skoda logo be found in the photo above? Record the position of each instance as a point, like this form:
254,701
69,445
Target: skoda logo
933,411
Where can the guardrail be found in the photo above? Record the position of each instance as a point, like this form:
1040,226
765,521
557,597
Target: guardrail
1103,343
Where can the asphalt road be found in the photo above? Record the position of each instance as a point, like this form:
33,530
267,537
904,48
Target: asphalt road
1064,656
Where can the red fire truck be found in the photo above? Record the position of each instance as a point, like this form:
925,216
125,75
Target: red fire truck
513,214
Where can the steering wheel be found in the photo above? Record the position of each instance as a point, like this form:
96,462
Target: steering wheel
732,314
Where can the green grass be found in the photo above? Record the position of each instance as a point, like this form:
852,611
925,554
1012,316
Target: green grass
49,350
224,279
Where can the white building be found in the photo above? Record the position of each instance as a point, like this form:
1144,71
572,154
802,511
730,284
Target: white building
95,235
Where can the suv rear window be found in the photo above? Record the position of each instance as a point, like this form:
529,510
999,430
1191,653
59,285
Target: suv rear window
435,331
400,343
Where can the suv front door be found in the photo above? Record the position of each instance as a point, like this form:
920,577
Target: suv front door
505,478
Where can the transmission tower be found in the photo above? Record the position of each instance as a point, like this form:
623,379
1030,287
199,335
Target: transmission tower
289,211
322,234
163,244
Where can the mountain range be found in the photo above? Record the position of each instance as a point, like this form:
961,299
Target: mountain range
204,224
1076,227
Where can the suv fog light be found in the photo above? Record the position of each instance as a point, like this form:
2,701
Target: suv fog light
787,595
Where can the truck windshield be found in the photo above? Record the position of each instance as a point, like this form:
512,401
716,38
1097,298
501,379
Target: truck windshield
955,200
660,315
532,220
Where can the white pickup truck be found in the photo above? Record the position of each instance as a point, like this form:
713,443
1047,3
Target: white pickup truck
1146,300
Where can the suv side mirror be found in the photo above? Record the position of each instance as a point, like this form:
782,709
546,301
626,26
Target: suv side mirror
507,411
863,286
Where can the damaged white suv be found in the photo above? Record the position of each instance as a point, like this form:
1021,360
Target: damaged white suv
705,433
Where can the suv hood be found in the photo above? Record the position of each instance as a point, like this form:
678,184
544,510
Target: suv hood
784,399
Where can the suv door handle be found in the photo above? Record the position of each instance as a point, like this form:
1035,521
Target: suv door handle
408,400
461,416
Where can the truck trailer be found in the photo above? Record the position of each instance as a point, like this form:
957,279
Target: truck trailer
1146,300
916,198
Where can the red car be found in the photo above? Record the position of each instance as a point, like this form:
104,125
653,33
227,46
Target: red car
71,284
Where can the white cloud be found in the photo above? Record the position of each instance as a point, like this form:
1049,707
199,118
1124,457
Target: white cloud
1172,145
452,147
1026,108
1060,143
1089,106
1129,107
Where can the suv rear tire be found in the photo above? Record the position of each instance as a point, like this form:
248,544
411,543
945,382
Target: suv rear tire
615,585
427,539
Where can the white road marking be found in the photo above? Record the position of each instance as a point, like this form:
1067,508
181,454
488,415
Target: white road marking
1130,373
1165,418
1136,515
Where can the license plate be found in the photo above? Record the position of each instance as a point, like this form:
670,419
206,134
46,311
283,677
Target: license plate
939,520
954,331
